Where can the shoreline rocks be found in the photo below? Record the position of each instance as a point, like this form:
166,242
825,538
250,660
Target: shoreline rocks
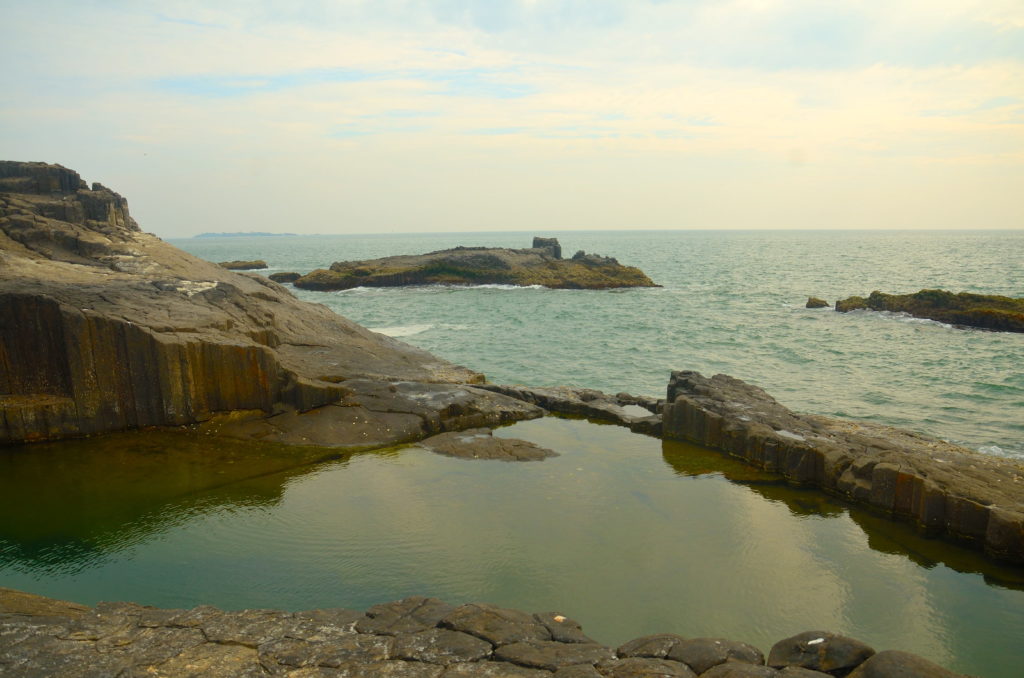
985,311
540,265
417,637
239,265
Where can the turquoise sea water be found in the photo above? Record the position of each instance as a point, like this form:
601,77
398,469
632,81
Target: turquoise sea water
730,302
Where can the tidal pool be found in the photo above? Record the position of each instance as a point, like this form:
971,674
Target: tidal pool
628,534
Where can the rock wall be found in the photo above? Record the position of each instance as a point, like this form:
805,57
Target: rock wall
944,489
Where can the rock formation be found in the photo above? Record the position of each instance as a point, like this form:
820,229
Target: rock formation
987,311
540,265
416,637
239,265
105,328
815,302
284,276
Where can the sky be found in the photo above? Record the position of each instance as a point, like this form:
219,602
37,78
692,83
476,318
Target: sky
378,116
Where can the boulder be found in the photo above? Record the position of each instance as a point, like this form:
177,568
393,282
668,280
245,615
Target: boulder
819,651
284,276
815,302
893,663
700,654
550,245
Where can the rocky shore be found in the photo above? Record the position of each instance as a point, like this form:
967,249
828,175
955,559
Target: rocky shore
541,264
985,311
105,328
416,637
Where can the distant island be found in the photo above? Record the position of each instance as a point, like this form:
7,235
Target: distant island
541,264
240,234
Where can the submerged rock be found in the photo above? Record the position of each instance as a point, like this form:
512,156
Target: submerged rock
478,443
239,265
986,311
540,265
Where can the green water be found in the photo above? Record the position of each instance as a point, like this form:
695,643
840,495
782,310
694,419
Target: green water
628,534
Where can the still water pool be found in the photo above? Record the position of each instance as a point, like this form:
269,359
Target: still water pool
628,534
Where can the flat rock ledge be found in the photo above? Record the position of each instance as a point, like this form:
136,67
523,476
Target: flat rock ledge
417,637
943,489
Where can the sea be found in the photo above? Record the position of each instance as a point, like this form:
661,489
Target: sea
729,302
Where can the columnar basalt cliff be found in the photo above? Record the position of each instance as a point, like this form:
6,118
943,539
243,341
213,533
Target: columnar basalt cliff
985,311
540,265
104,328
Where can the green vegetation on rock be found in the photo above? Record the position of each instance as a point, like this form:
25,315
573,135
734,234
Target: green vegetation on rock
987,311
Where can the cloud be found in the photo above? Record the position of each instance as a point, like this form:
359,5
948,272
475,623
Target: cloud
606,114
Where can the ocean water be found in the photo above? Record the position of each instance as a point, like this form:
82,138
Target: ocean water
730,302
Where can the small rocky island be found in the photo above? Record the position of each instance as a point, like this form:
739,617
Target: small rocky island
985,311
541,264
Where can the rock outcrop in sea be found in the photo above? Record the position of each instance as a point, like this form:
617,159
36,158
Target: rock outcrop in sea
416,637
540,265
106,328
986,311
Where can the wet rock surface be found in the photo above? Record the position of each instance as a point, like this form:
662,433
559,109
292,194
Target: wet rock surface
479,443
417,636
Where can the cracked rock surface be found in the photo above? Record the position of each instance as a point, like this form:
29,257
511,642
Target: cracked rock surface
411,638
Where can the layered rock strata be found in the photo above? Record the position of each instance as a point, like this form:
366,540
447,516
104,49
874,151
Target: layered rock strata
943,488
540,265
985,311
412,638
106,328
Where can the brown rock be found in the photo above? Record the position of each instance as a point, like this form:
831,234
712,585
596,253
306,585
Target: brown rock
238,265
700,654
896,664
497,625
551,655
815,302
479,443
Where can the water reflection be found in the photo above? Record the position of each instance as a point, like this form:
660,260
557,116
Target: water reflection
629,534
69,506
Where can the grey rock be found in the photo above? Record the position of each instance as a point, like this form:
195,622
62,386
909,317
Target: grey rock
700,654
409,615
562,628
646,667
739,670
552,655
492,669
497,625
656,646
819,651
479,443
440,646
896,664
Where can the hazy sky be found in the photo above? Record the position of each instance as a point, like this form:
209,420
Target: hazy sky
352,116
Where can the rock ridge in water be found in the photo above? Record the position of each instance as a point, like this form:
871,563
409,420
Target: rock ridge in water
985,311
414,637
540,265
104,327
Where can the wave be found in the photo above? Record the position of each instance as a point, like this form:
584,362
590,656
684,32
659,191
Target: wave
402,330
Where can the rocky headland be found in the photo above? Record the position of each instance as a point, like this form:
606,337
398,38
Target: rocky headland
985,311
104,328
415,637
541,264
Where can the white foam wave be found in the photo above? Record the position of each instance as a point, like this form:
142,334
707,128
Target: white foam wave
402,330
